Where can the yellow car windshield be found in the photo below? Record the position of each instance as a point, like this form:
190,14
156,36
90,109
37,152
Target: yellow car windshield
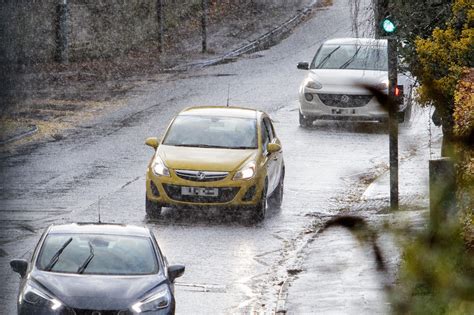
212,132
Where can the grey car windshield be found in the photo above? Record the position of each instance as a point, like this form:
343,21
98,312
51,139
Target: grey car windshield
354,57
212,132
112,254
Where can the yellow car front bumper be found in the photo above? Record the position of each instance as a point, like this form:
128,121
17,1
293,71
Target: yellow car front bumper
167,191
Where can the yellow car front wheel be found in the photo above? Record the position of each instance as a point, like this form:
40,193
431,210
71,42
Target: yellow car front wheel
261,209
276,199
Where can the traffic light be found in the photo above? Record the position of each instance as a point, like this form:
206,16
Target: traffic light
398,94
388,25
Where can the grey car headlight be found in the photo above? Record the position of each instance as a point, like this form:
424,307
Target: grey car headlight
159,299
34,295
159,168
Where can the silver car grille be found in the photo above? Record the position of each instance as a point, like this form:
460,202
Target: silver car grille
345,100
201,176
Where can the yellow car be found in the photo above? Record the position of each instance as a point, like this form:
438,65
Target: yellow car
225,157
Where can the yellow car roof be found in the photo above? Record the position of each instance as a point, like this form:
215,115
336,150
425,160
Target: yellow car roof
221,111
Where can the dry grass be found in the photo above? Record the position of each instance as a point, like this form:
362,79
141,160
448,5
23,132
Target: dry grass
52,117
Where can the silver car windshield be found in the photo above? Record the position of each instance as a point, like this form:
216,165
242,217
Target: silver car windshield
212,132
112,254
356,57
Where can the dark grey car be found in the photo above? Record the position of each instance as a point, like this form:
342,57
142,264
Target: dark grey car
96,269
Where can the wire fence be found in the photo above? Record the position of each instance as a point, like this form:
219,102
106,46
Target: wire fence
34,31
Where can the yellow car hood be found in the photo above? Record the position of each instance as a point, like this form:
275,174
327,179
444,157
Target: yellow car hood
204,159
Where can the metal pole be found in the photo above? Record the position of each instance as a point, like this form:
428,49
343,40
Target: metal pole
161,21
204,4
380,10
393,122
62,32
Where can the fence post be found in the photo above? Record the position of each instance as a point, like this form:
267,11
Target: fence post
442,192
161,21
62,32
204,4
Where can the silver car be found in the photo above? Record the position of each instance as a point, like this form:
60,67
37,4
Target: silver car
332,88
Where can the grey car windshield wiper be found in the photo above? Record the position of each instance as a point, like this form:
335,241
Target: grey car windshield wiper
55,257
351,59
88,260
323,61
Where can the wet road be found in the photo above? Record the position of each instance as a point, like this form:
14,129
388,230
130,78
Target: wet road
231,266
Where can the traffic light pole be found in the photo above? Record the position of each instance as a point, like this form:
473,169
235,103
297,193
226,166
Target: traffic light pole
393,122
383,28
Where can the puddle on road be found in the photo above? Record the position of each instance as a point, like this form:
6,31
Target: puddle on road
196,287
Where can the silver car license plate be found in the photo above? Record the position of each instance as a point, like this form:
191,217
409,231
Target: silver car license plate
200,191
343,111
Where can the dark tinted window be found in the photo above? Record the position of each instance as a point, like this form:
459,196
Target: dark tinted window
265,136
269,126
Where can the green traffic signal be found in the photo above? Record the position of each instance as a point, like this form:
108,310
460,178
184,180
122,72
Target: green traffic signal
388,26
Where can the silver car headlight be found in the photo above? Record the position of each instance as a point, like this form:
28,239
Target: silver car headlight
310,84
159,299
32,294
159,168
383,85
247,171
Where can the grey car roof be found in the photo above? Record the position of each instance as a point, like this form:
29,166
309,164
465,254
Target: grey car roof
100,228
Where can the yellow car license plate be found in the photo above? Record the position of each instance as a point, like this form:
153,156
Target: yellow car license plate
199,191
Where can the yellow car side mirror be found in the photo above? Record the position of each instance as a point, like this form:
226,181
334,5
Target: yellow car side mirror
152,142
273,147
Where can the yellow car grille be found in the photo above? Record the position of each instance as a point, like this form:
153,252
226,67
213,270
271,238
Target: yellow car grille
201,176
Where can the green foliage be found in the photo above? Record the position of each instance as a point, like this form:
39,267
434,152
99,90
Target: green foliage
443,57
438,45
463,128
464,105
417,19
437,275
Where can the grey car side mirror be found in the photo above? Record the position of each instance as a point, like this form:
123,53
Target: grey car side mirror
20,266
175,271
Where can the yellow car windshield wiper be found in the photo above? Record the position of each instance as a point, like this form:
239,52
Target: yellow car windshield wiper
202,146
55,257
88,260
242,148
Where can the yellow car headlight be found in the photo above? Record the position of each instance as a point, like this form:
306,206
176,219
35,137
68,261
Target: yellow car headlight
159,168
246,172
